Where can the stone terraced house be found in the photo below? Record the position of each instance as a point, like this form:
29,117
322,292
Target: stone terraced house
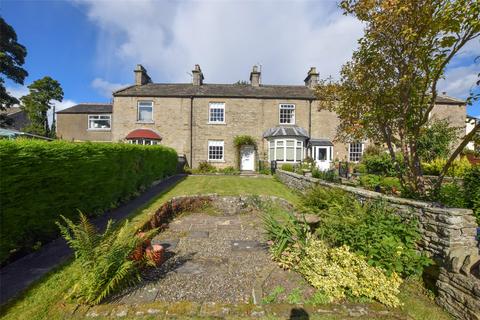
200,120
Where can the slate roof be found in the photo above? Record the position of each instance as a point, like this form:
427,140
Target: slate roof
89,108
186,90
289,131
321,142
217,91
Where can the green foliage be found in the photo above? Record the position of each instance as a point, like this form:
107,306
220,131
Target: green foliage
435,140
458,168
451,195
12,57
318,298
471,185
287,167
329,175
380,164
283,229
387,185
273,296
229,171
295,296
205,167
36,104
264,167
244,140
41,180
371,229
104,258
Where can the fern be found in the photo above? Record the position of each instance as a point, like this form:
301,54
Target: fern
105,258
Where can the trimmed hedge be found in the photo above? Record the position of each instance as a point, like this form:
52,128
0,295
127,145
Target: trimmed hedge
42,180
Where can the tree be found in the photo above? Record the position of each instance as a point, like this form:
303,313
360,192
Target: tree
12,57
388,89
37,103
436,140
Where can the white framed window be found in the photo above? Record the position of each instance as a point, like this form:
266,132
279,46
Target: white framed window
99,122
145,111
215,150
146,142
287,114
285,150
216,112
355,151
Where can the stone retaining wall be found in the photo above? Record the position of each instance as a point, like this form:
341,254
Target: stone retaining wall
448,236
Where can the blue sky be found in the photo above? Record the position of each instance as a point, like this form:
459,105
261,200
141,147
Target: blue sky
91,47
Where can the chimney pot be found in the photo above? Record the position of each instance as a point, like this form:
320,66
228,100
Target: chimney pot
197,79
255,77
311,80
141,76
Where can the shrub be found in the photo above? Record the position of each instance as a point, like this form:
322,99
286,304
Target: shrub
390,185
244,140
370,181
329,175
380,164
41,180
229,171
451,195
205,167
106,263
471,185
339,273
318,199
458,169
436,140
287,167
375,231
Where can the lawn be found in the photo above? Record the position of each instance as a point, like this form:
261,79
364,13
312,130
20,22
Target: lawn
45,299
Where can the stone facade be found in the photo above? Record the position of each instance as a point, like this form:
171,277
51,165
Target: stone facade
180,115
448,236
74,127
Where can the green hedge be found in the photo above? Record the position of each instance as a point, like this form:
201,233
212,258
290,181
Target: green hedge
41,180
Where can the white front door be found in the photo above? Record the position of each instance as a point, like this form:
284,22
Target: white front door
322,156
247,158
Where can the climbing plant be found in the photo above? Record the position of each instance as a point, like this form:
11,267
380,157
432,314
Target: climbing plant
243,140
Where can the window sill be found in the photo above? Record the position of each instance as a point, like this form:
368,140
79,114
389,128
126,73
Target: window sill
145,122
104,130
287,124
217,161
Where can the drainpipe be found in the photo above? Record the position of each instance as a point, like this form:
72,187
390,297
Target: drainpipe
191,132
309,124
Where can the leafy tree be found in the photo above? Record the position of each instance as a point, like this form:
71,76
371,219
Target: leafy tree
388,89
241,83
37,103
12,57
436,140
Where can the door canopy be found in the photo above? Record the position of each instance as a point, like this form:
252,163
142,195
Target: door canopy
143,134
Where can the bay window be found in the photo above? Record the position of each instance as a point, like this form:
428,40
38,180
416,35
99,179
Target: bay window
285,150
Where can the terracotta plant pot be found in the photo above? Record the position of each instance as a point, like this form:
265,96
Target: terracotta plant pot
156,254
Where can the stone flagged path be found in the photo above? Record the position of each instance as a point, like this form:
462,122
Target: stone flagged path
215,258
20,274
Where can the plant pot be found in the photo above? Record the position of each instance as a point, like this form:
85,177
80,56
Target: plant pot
156,254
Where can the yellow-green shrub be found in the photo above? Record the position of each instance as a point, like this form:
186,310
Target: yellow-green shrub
458,168
338,272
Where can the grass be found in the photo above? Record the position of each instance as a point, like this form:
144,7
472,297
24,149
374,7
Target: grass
44,300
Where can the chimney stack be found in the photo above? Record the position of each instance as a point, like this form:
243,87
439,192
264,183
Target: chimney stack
255,77
312,78
141,76
197,76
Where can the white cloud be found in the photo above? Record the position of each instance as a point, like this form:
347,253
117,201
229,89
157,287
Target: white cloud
225,37
106,88
459,81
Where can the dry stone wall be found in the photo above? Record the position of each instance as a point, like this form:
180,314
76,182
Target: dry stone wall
448,236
